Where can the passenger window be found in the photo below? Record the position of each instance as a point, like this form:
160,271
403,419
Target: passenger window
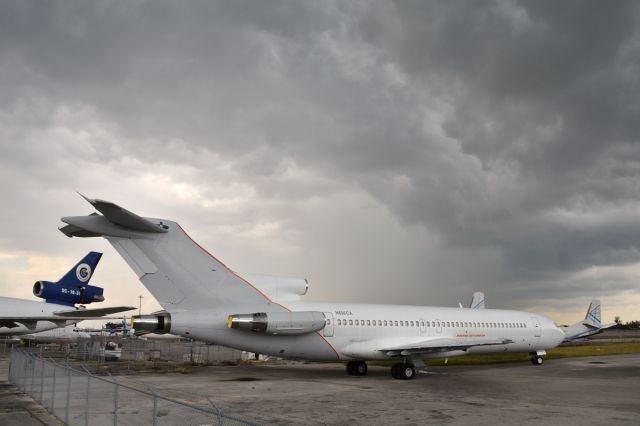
350,322
421,323
411,323
395,323
385,323
368,322
328,322
339,322
357,322
428,323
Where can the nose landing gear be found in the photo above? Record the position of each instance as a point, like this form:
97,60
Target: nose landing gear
536,357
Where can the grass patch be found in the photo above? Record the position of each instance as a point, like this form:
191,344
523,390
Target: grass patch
561,352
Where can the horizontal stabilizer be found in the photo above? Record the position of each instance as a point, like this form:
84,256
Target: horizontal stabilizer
92,313
123,217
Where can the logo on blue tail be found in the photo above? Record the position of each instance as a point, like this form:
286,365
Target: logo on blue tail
83,272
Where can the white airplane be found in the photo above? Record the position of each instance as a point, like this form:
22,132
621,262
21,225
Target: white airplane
20,316
68,334
592,324
205,300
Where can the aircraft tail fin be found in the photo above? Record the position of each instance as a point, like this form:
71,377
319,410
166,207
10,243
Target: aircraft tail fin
82,272
177,271
477,302
592,324
593,315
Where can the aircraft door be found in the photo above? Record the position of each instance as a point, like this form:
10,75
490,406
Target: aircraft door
537,331
423,327
327,331
438,326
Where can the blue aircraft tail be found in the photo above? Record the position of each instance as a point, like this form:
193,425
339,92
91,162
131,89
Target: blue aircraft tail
81,273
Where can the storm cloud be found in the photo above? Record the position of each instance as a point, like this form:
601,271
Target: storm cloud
400,152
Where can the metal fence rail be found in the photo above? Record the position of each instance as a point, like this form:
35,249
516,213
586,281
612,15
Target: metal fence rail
81,398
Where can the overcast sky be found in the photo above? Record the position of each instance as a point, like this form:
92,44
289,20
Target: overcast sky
404,152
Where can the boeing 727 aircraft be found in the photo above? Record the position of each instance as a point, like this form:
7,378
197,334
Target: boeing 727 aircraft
203,299
19,316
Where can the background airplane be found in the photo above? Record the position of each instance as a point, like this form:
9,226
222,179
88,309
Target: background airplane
68,334
20,316
592,324
203,299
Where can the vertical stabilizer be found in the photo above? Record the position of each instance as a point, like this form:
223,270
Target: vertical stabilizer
82,272
179,273
593,314
478,301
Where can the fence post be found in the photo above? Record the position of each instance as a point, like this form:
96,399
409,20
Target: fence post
33,373
218,411
11,367
115,400
25,365
155,403
53,390
86,402
66,408
42,382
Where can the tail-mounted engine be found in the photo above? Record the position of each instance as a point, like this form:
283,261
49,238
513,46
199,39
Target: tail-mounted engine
159,322
68,294
291,323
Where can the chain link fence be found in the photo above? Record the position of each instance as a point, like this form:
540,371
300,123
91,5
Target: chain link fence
178,351
78,397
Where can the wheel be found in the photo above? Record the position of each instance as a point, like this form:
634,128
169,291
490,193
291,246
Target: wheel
403,371
357,368
350,369
537,360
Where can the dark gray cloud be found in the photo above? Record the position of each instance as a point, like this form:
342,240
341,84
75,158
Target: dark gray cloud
502,134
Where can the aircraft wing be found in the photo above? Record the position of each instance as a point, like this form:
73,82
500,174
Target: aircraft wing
441,344
61,316
92,313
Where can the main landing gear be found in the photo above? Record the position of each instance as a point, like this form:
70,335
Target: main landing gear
357,368
403,371
400,370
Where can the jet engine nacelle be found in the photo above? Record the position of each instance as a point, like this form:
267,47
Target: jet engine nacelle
68,294
291,323
159,322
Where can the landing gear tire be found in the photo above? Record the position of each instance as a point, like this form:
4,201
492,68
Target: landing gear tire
403,371
537,360
357,368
